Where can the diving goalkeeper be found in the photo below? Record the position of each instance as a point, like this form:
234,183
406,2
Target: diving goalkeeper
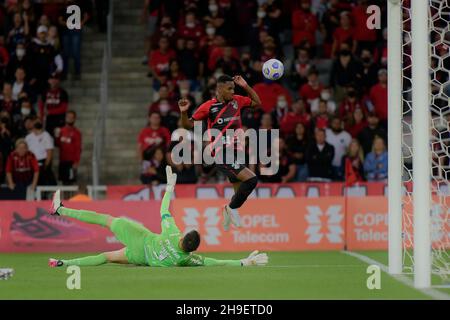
143,247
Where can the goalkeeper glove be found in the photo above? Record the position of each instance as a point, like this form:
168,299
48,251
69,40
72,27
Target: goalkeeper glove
171,179
255,259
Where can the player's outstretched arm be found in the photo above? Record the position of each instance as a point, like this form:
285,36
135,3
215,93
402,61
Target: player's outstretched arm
254,259
184,105
170,186
256,101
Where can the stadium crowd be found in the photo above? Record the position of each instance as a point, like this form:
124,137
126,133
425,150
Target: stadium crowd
36,50
330,106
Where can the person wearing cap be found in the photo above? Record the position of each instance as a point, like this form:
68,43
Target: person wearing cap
45,59
378,97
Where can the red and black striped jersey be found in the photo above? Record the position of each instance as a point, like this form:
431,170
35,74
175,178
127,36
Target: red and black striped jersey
222,116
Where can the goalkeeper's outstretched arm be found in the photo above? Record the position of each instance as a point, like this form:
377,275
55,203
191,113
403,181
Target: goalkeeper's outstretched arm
254,259
171,181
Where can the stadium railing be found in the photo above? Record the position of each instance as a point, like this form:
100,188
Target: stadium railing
100,127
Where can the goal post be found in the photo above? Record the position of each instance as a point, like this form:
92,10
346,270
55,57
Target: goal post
419,139
421,142
394,137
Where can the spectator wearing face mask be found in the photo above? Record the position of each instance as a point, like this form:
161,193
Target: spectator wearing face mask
369,73
20,116
152,136
326,96
22,170
40,143
280,111
215,18
340,140
248,73
345,71
18,33
68,139
189,27
164,94
166,29
54,105
20,59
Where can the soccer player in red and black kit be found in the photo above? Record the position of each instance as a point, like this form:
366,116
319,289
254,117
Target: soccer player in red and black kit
224,112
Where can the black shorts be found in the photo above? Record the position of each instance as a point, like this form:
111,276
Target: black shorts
231,170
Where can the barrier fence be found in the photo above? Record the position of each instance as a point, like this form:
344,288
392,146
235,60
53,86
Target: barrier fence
328,223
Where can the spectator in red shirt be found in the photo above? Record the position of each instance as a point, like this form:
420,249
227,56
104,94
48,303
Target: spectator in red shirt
54,105
311,90
290,120
163,95
159,62
304,25
378,97
364,36
227,63
68,140
152,136
322,118
268,91
300,68
343,34
190,28
22,170
6,101
350,103
357,123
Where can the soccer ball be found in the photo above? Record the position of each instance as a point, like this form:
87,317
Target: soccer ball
273,69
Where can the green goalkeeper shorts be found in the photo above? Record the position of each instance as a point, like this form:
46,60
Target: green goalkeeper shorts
132,235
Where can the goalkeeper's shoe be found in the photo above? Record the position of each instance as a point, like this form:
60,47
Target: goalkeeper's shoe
230,216
53,263
56,203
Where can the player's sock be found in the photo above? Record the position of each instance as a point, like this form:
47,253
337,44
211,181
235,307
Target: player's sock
85,216
245,189
86,261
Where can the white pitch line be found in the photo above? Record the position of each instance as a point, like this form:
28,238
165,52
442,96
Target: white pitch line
318,266
435,294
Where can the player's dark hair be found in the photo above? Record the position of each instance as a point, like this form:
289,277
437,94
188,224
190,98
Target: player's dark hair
191,241
72,112
224,78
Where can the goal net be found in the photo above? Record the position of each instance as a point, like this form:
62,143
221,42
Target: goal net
437,155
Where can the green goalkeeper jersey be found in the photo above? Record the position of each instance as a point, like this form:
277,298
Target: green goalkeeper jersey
163,250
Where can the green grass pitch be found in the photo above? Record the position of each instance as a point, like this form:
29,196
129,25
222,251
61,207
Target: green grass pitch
289,275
